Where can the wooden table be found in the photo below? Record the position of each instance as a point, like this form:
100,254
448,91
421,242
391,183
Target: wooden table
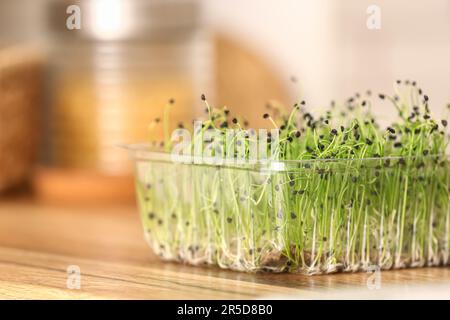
38,243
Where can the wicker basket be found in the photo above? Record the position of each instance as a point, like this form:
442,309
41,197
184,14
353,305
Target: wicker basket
20,97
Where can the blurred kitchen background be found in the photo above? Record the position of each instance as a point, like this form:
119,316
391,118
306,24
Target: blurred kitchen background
68,98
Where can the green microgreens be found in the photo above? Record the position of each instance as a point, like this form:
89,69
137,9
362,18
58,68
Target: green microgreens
351,194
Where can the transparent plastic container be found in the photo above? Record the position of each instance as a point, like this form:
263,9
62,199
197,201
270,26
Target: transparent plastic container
308,217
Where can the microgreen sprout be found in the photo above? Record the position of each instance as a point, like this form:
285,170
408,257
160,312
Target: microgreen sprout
342,194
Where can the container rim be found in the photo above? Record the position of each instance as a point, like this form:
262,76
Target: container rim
145,152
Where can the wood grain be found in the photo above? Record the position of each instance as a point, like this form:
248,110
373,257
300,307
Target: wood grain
38,243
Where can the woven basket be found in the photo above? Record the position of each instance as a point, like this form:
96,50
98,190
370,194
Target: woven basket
20,99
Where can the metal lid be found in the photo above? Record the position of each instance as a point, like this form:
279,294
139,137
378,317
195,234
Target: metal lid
123,20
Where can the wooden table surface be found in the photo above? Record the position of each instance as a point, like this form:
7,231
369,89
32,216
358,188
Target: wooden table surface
38,243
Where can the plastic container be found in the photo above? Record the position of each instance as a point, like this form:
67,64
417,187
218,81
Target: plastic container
307,217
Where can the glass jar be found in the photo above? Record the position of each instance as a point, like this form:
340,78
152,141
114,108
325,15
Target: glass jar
113,77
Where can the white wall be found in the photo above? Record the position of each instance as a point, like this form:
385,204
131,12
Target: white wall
327,45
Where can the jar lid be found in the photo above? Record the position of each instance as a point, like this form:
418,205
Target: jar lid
122,20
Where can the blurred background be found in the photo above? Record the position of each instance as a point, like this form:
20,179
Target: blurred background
70,96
